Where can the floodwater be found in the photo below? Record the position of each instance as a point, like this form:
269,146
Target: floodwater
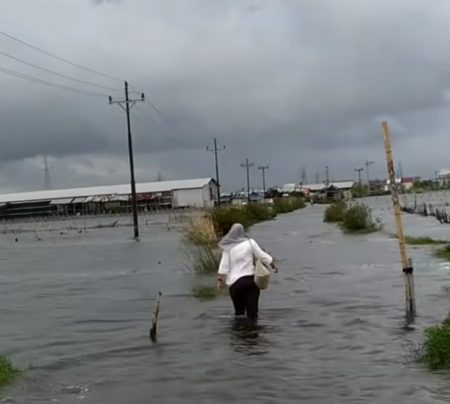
75,311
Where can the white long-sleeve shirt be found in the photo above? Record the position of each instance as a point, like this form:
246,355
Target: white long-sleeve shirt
238,261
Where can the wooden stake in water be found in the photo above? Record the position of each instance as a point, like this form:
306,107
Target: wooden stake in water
410,299
155,318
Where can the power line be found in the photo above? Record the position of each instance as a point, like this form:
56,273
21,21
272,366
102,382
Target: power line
48,83
57,74
147,117
88,69
154,107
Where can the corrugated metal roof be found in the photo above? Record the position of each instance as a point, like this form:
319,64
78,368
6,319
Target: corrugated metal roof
63,201
336,184
314,187
123,189
342,184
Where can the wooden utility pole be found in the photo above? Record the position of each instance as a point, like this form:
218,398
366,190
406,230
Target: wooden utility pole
410,299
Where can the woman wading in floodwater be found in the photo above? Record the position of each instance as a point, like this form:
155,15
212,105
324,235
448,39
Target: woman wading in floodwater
237,265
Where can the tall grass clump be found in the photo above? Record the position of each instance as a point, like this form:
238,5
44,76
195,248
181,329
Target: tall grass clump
200,241
289,204
436,349
335,212
358,219
7,371
200,231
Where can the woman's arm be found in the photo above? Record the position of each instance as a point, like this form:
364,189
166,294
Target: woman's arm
223,270
265,258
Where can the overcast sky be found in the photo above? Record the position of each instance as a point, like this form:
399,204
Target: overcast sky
287,83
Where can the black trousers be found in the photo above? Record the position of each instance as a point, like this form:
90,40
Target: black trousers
245,296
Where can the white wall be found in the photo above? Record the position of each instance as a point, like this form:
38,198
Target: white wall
185,198
195,198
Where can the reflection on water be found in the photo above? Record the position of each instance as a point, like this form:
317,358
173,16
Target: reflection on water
78,313
246,336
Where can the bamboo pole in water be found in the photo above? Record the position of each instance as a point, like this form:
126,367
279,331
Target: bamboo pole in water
410,300
153,329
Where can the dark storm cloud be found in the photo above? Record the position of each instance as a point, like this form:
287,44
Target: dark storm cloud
289,83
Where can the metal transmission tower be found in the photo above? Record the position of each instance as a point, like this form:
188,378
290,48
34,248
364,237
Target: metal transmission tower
359,180
247,165
263,169
47,181
126,105
327,175
367,164
216,150
304,178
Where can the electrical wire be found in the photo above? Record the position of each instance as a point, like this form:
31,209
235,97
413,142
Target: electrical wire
48,83
60,58
154,107
147,117
58,74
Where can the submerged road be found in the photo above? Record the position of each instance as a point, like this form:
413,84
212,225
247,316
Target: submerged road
77,311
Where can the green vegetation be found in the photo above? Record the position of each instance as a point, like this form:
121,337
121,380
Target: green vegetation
335,212
358,192
354,219
224,217
205,292
202,233
436,349
358,219
7,371
443,252
286,205
204,259
422,241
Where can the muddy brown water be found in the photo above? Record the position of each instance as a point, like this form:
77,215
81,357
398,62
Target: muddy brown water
76,313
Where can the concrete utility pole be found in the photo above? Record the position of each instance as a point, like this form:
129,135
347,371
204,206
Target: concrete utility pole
367,164
126,105
247,165
216,150
359,180
263,169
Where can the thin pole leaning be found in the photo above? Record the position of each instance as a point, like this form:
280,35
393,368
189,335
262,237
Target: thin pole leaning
410,300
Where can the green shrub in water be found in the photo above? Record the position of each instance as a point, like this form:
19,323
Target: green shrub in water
436,349
7,371
205,292
422,241
225,217
204,259
358,219
443,253
288,204
335,212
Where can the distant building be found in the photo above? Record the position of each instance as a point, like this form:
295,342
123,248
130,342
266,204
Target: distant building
444,177
191,193
338,190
